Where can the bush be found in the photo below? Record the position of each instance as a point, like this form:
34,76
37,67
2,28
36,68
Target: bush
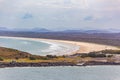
110,56
32,58
16,58
44,58
51,56
84,55
94,55
1,59
111,51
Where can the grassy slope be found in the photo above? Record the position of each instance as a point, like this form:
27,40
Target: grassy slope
8,55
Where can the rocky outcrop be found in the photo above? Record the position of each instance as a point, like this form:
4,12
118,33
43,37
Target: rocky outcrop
40,64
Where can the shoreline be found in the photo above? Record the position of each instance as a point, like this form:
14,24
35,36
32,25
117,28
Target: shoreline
68,61
57,48
81,47
55,64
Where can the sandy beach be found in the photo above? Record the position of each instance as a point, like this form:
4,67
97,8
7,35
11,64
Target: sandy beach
71,47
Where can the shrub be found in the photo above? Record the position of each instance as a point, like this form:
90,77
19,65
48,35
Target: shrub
84,55
1,59
16,58
32,58
111,51
94,55
44,58
51,56
63,56
110,56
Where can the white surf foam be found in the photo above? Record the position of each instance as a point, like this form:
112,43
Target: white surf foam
56,48
59,48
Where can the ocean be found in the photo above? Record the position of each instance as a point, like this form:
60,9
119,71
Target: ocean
61,73
29,46
37,47
52,73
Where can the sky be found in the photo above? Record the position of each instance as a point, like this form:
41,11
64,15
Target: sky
60,14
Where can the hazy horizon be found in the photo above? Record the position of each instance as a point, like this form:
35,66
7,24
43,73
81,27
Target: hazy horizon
60,14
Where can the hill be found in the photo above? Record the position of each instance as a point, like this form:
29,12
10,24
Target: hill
8,53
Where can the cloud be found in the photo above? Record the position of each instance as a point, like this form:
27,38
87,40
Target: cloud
88,18
107,5
27,16
60,14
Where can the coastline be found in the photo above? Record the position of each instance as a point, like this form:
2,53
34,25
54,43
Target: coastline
83,47
54,64
69,60
75,47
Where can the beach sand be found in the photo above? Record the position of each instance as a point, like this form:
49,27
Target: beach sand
86,47
75,47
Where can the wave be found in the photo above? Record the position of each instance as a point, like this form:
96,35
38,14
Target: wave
55,47
59,48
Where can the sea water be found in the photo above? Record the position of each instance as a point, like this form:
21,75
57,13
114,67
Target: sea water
38,47
30,46
52,73
61,73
